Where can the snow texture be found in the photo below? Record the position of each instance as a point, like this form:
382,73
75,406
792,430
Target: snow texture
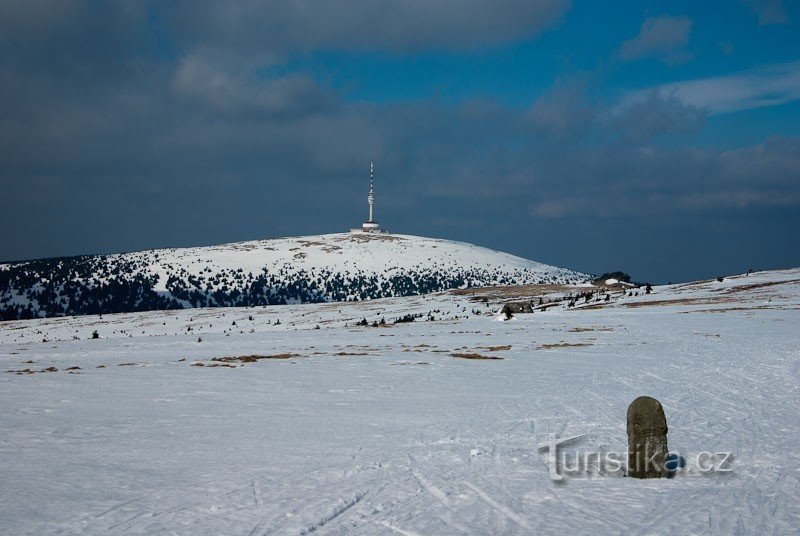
381,430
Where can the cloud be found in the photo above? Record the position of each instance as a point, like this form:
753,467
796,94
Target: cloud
138,132
402,26
768,11
664,37
766,86
655,113
564,111
240,91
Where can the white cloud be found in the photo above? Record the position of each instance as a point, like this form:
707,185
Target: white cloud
767,86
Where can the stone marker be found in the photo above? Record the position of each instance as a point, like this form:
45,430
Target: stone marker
647,439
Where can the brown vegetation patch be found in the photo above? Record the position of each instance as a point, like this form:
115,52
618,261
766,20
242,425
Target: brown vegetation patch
366,237
475,356
727,309
252,358
350,353
22,371
127,364
753,286
562,345
511,291
499,348
679,301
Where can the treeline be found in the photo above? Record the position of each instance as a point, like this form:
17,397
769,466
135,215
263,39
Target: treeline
114,284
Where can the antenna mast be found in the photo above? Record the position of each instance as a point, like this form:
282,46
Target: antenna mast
371,198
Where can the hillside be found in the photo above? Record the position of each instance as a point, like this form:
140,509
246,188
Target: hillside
324,268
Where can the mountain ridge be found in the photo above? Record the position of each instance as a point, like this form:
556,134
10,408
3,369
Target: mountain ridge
316,268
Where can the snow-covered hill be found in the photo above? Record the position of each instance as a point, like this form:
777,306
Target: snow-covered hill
334,267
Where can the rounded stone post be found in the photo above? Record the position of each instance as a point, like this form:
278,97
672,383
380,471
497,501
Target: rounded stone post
647,439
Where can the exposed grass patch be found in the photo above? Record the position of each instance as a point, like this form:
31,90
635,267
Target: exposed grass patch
562,345
252,358
466,355
22,371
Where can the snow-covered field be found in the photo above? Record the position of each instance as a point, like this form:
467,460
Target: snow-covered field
381,430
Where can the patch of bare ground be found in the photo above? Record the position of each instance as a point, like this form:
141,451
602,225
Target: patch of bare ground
350,353
128,364
753,286
562,345
420,348
252,358
583,329
366,237
678,301
599,305
728,309
511,291
410,363
692,284
461,355
499,348
21,371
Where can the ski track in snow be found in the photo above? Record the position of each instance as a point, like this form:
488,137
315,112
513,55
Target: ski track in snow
356,436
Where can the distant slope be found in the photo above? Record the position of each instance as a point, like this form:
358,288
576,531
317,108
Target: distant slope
334,267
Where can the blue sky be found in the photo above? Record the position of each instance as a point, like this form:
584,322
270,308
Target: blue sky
659,138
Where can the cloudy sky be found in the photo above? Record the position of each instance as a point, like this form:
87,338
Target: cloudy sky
660,138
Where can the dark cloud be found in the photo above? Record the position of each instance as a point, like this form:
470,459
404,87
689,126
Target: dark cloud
139,133
279,27
664,37
565,111
655,113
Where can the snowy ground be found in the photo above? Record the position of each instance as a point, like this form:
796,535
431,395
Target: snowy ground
382,431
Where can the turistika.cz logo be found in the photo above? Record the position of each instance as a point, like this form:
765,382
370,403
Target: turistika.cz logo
563,463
